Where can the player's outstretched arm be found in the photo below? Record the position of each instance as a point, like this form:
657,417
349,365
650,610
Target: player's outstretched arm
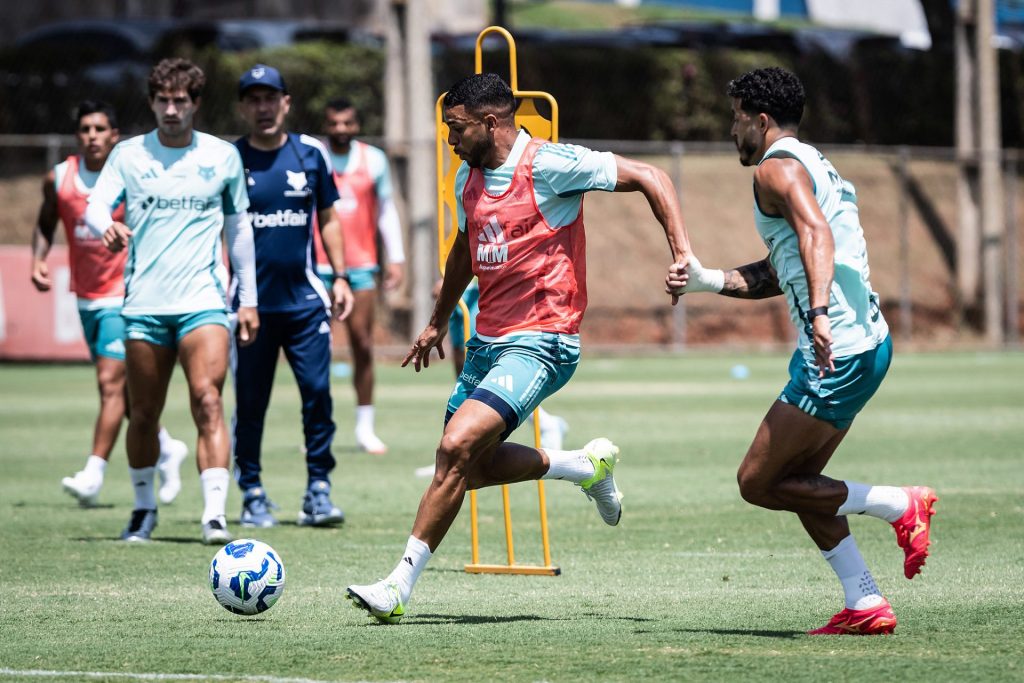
458,271
637,176
42,236
752,281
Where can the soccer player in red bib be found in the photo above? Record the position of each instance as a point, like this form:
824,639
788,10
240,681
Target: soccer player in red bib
97,279
365,208
520,216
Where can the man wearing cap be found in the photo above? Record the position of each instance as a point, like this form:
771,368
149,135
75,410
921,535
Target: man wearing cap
291,189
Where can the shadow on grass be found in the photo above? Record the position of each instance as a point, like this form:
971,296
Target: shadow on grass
152,541
787,635
451,619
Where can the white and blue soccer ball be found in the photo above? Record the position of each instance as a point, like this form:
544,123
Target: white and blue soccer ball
247,577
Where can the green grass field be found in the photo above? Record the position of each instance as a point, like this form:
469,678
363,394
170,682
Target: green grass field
693,585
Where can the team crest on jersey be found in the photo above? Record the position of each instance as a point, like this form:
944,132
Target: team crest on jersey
493,248
298,183
207,172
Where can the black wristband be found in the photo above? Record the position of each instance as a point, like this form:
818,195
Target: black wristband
343,276
815,312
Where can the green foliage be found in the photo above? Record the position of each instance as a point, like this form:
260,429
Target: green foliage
315,74
694,584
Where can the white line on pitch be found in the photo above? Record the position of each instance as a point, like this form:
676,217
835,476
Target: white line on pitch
41,673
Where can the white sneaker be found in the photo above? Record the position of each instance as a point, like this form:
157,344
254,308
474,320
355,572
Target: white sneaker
601,487
84,488
369,442
552,432
169,469
382,600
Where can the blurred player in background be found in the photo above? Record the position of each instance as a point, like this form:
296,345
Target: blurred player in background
807,216
97,279
182,191
289,183
365,207
520,216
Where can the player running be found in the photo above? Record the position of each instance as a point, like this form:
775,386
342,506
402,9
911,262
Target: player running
182,189
97,278
520,218
807,216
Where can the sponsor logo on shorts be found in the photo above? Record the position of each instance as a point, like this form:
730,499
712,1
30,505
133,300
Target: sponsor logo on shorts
325,328
505,382
116,346
136,334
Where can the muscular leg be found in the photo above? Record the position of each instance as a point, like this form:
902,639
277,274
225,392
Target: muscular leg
148,369
782,471
110,380
470,457
360,333
203,353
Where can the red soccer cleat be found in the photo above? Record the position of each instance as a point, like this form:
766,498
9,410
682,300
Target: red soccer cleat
914,527
876,621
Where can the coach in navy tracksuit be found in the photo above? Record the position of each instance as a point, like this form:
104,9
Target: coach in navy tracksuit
289,181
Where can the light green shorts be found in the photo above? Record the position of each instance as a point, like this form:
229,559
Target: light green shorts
359,279
516,374
104,332
168,330
838,396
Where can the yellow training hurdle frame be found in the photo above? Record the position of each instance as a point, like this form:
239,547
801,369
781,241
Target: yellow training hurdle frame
527,117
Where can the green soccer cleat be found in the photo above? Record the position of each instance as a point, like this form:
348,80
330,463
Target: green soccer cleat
382,600
601,487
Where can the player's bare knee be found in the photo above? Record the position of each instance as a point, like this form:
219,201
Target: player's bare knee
207,407
752,488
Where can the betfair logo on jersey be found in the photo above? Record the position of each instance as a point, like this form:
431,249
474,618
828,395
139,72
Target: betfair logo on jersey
282,218
179,203
493,247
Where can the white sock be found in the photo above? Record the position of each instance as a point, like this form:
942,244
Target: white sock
572,466
164,437
95,466
364,419
142,484
859,587
885,502
417,554
215,492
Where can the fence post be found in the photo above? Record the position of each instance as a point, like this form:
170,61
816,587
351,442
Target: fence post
52,151
678,329
1012,296
906,305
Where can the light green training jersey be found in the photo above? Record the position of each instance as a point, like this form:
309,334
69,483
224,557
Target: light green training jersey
857,322
176,199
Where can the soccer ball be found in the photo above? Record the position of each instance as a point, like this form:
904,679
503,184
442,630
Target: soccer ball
247,577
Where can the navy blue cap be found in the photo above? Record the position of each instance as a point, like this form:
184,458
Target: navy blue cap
264,75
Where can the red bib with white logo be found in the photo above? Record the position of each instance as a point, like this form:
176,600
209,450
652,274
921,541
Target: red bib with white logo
96,272
532,276
357,211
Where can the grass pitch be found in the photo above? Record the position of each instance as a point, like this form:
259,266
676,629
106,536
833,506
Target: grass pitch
693,585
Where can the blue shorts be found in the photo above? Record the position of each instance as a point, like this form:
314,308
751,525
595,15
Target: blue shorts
840,395
104,332
514,375
168,330
457,325
359,279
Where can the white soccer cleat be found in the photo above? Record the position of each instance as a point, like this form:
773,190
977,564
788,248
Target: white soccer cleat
601,487
382,600
552,432
84,488
169,469
215,532
368,441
